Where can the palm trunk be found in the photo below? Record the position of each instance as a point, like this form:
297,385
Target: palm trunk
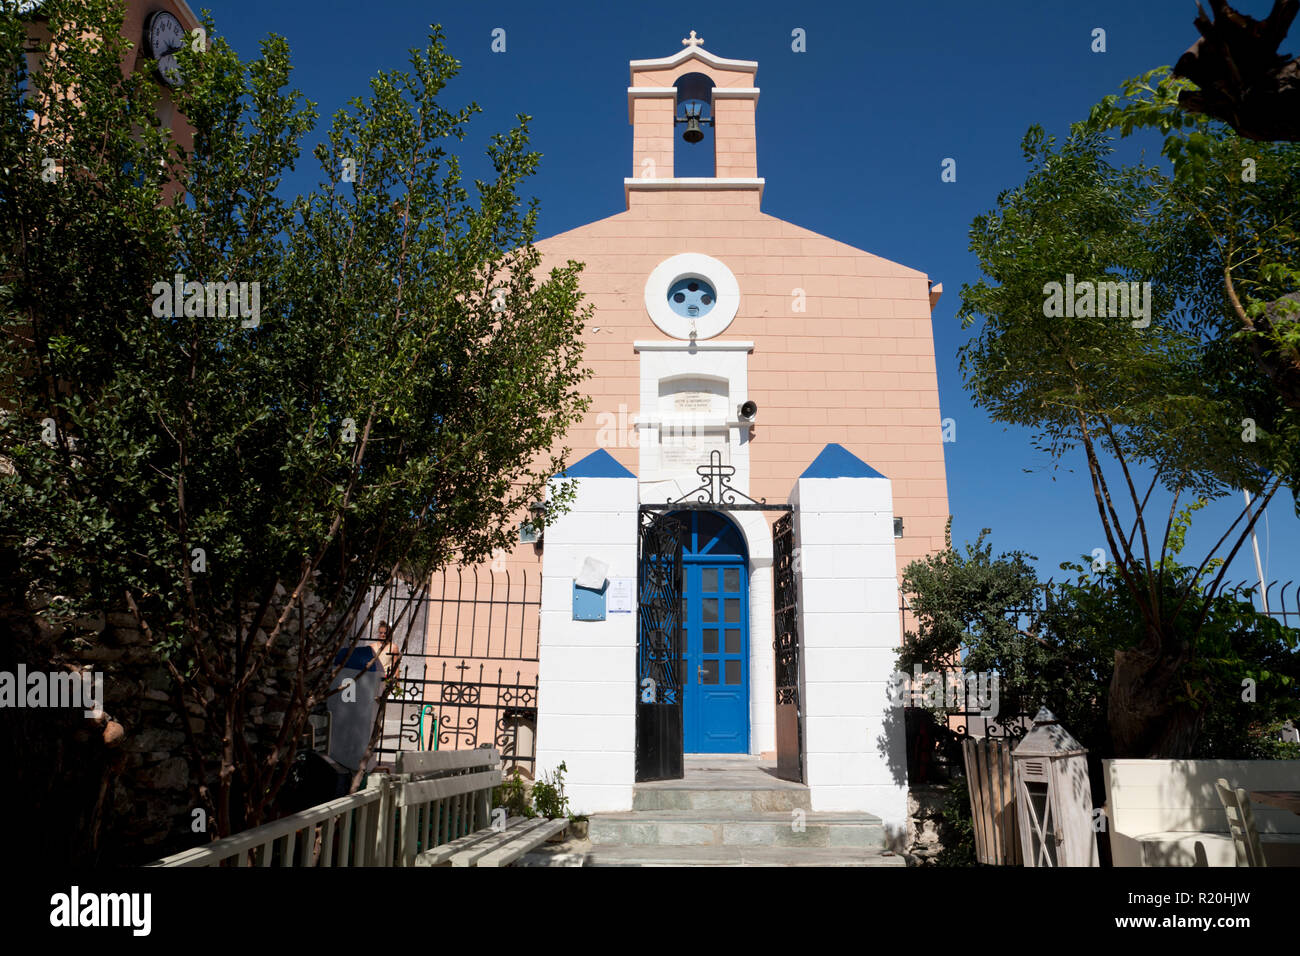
1144,714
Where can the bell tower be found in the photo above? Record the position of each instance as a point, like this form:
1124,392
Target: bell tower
684,95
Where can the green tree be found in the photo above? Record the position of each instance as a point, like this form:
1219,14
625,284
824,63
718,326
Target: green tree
1156,398
1230,208
396,400
1055,645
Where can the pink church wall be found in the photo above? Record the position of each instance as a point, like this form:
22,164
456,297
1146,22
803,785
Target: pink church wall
857,367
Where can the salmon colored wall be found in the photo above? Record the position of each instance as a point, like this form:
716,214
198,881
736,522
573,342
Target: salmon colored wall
653,138
857,367
667,76
734,139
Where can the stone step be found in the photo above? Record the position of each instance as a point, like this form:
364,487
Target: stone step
698,828
759,800
739,856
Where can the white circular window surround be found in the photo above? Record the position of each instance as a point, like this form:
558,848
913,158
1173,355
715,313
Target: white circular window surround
668,277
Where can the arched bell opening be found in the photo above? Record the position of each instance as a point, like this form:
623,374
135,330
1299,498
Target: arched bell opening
693,147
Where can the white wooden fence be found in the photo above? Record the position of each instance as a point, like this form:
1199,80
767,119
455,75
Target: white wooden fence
432,799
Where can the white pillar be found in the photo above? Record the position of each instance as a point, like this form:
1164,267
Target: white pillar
854,750
586,695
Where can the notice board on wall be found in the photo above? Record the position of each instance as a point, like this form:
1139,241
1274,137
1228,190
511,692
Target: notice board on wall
588,603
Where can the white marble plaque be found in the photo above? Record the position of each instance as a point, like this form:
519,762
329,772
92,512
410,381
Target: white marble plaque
691,447
693,401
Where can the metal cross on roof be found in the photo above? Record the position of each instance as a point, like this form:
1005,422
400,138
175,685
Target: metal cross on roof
692,40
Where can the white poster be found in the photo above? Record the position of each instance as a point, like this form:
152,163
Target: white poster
621,596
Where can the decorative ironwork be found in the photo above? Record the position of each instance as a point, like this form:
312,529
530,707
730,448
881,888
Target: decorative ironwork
659,741
785,609
789,730
716,492
659,618
475,624
934,736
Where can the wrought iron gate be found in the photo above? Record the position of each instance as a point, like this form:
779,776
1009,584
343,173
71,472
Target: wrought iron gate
659,743
659,730
789,738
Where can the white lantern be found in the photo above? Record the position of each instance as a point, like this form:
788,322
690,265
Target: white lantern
1053,796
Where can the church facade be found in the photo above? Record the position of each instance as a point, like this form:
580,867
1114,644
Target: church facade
762,457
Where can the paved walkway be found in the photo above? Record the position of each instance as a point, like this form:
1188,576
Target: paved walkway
725,772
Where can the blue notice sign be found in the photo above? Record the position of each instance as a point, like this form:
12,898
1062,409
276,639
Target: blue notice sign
588,603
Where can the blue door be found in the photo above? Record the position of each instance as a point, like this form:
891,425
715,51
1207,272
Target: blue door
715,624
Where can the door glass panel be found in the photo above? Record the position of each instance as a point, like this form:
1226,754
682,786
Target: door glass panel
709,607
733,672
731,579
710,579
733,610
708,672
733,643
710,640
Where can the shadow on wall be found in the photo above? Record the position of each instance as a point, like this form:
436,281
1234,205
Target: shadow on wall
892,741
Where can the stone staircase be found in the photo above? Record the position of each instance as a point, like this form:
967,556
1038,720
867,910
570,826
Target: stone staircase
733,811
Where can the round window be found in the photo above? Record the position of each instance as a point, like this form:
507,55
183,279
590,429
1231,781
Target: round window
691,297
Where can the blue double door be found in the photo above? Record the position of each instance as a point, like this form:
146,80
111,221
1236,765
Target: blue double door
715,632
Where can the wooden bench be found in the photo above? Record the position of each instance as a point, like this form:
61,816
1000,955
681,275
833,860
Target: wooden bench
444,812
1168,813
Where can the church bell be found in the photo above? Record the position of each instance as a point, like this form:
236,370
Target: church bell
694,121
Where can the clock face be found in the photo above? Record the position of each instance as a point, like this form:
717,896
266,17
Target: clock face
166,36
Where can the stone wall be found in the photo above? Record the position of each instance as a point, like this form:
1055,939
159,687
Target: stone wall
925,824
147,796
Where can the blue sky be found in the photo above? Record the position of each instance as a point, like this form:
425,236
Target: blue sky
851,134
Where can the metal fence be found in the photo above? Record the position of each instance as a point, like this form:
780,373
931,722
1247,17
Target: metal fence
1286,611
468,676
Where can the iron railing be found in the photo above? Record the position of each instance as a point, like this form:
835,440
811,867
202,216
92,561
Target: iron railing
468,676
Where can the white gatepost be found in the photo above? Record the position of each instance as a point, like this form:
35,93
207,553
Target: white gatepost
853,745
586,678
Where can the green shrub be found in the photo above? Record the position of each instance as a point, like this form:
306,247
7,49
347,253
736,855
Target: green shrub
513,797
549,799
956,829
